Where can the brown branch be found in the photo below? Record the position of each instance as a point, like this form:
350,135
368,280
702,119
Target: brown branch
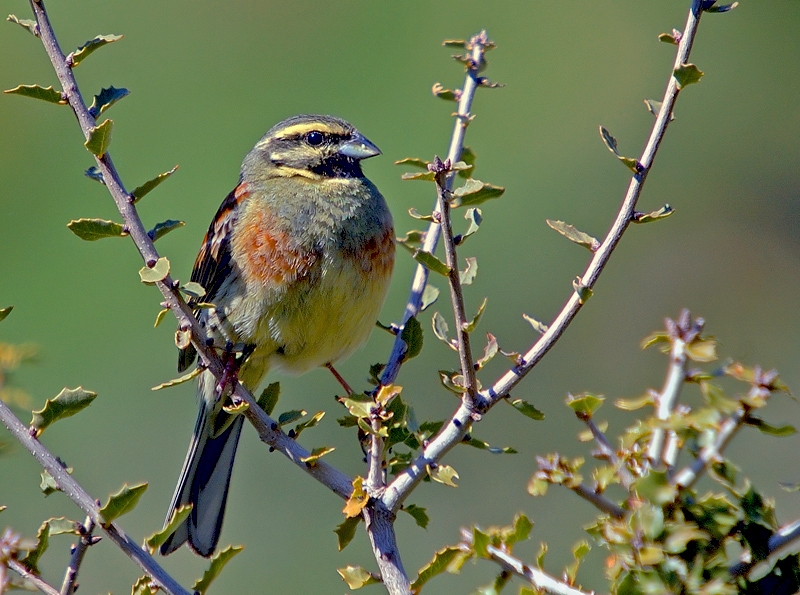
85,539
32,578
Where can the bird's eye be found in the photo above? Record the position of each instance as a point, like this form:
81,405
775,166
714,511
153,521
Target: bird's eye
315,138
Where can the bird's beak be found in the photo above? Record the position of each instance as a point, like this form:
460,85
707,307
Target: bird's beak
359,147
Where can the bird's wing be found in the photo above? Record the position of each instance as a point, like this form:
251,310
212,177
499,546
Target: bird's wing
213,264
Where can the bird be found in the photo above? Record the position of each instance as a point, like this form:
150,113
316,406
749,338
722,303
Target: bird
296,265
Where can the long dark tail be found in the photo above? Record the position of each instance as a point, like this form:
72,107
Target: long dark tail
205,477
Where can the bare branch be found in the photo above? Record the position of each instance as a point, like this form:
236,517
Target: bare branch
687,476
456,293
600,501
784,541
76,493
666,400
69,586
539,579
32,578
502,387
380,528
463,117
625,478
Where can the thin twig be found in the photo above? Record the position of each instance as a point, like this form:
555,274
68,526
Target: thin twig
76,493
666,400
85,539
600,501
781,543
455,429
462,120
687,476
32,578
625,477
503,386
456,293
539,579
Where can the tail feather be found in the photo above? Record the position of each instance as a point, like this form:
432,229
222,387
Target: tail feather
204,481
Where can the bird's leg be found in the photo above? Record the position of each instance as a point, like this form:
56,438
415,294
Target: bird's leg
339,379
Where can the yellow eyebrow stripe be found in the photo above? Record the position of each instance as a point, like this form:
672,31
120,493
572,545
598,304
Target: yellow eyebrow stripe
300,129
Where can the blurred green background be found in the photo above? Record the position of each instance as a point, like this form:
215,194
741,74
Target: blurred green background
208,78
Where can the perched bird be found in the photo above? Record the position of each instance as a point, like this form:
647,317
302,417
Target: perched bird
297,263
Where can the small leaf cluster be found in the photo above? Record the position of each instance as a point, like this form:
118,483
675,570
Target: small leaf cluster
663,536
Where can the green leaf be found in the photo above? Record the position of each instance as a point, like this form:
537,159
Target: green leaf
121,503
412,240
447,94
475,218
413,213
430,262
414,162
99,138
96,229
316,454
670,38
357,577
539,327
193,289
105,99
36,92
441,561
163,228
346,531
443,474
179,515
155,273
218,562
94,173
28,24
574,235
467,276
491,350
309,423
467,156
48,484
634,404
427,176
521,530
53,526
584,404
143,586
611,144
140,191
655,338
656,487
475,192
177,381
358,499
495,450
90,46
687,74
290,416
418,513
470,325
269,397
527,409
661,213
429,296
4,312
584,292
769,429
441,330
68,402
722,8
413,338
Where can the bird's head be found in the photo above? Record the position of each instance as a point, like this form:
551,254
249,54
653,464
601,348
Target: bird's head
310,146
